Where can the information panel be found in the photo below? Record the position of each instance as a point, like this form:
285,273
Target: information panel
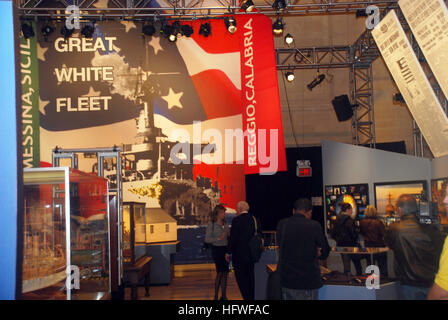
412,83
429,23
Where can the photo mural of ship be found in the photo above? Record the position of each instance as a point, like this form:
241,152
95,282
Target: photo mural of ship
150,96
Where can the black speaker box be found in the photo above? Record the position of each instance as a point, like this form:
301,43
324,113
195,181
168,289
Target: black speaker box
342,107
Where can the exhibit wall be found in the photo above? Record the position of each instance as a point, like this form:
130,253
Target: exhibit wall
439,168
348,164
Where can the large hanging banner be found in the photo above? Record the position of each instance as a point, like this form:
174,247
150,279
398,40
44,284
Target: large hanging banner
30,101
412,83
264,144
176,108
429,23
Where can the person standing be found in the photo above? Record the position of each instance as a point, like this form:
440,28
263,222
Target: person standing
301,243
373,231
416,249
217,234
346,235
242,230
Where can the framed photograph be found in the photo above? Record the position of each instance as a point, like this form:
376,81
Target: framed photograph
355,194
438,195
387,193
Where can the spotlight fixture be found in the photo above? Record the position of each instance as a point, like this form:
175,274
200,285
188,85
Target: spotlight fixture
290,76
361,13
27,31
148,30
230,23
205,29
247,5
318,80
47,30
66,32
289,39
398,97
88,30
176,29
279,5
277,26
166,30
187,30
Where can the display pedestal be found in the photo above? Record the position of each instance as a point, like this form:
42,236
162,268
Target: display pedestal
162,253
387,291
261,276
133,274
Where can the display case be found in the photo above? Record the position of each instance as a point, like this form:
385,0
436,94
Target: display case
66,223
134,232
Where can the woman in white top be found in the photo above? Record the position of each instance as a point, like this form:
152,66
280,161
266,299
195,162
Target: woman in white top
217,235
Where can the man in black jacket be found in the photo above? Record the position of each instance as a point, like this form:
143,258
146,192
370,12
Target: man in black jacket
243,229
301,243
416,248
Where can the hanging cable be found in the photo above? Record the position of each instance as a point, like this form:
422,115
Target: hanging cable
289,111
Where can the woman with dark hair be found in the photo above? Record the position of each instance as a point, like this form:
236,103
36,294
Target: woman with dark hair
217,234
346,235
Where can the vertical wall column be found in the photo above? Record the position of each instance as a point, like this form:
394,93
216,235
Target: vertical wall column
11,180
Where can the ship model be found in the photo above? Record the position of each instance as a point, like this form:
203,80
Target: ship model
44,261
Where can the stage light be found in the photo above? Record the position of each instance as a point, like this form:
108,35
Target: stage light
148,30
88,30
187,30
66,32
279,5
398,97
27,31
230,23
247,5
166,30
318,80
289,39
277,27
290,76
361,13
176,29
47,30
205,29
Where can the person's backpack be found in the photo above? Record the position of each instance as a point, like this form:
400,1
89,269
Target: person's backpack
256,244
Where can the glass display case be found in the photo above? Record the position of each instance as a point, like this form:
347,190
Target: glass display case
66,223
134,232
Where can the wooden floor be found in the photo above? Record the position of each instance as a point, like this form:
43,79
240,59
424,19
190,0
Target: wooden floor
191,282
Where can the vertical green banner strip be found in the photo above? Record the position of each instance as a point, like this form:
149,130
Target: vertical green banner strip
30,100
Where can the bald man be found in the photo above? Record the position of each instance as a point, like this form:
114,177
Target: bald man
243,229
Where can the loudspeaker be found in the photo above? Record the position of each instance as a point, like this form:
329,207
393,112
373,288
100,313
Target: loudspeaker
342,107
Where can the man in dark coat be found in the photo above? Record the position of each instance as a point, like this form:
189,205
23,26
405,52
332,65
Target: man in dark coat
242,230
416,248
301,243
